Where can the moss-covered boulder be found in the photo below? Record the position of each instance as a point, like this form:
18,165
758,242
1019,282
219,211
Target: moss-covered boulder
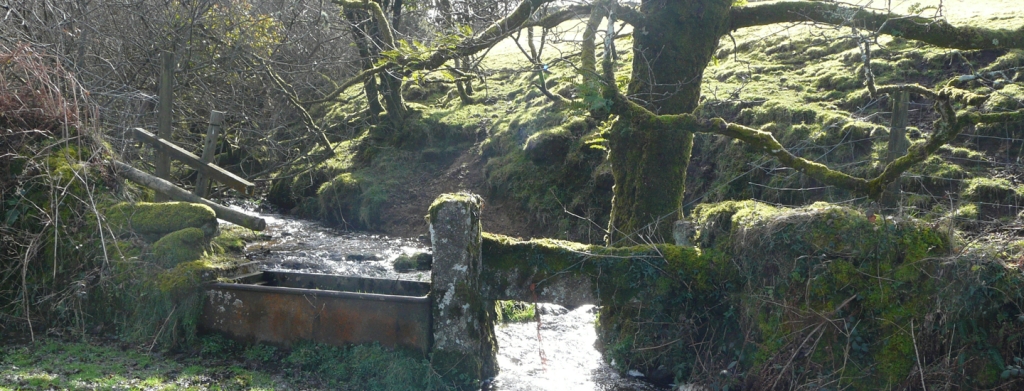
777,112
995,197
989,190
185,245
1007,99
280,194
154,220
418,261
341,202
998,138
549,146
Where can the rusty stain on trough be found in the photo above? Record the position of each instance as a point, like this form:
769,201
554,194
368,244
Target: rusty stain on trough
283,308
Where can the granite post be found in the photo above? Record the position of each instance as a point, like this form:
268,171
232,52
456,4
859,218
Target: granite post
463,320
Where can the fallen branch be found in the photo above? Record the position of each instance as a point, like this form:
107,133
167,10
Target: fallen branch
173,192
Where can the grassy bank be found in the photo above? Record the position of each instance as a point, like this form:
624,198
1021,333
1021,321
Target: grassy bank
214,364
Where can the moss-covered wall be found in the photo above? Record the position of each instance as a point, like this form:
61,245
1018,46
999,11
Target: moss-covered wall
777,298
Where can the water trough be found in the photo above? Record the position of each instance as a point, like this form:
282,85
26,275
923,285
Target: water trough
451,318
283,308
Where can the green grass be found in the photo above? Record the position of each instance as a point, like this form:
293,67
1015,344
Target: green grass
510,311
91,365
215,364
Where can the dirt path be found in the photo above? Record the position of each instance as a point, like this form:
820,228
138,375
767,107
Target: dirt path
403,214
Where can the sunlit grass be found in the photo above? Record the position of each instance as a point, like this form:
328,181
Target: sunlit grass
49,365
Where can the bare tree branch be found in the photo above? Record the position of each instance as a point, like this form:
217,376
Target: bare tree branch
358,78
492,35
306,117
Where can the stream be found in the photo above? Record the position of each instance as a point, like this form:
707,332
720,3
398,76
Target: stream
563,358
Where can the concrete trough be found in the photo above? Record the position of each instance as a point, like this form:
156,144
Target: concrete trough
283,308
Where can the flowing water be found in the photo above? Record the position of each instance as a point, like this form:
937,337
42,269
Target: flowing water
308,247
558,355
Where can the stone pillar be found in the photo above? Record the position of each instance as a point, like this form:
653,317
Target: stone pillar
463,320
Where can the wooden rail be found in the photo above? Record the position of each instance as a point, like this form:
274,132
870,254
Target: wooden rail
208,170
169,190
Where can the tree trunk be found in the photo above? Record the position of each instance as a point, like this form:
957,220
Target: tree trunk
391,80
649,162
361,39
649,167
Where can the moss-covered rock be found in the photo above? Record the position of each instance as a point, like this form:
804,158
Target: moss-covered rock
935,175
280,194
339,200
154,220
549,146
418,261
995,197
184,245
232,239
777,112
1010,98
991,190
716,221
1000,138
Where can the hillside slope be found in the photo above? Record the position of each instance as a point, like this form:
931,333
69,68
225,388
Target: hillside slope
542,169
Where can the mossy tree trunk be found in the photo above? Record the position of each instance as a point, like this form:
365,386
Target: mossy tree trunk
371,39
452,21
649,163
391,80
366,61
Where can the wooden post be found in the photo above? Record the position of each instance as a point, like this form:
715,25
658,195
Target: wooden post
898,145
164,118
209,147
